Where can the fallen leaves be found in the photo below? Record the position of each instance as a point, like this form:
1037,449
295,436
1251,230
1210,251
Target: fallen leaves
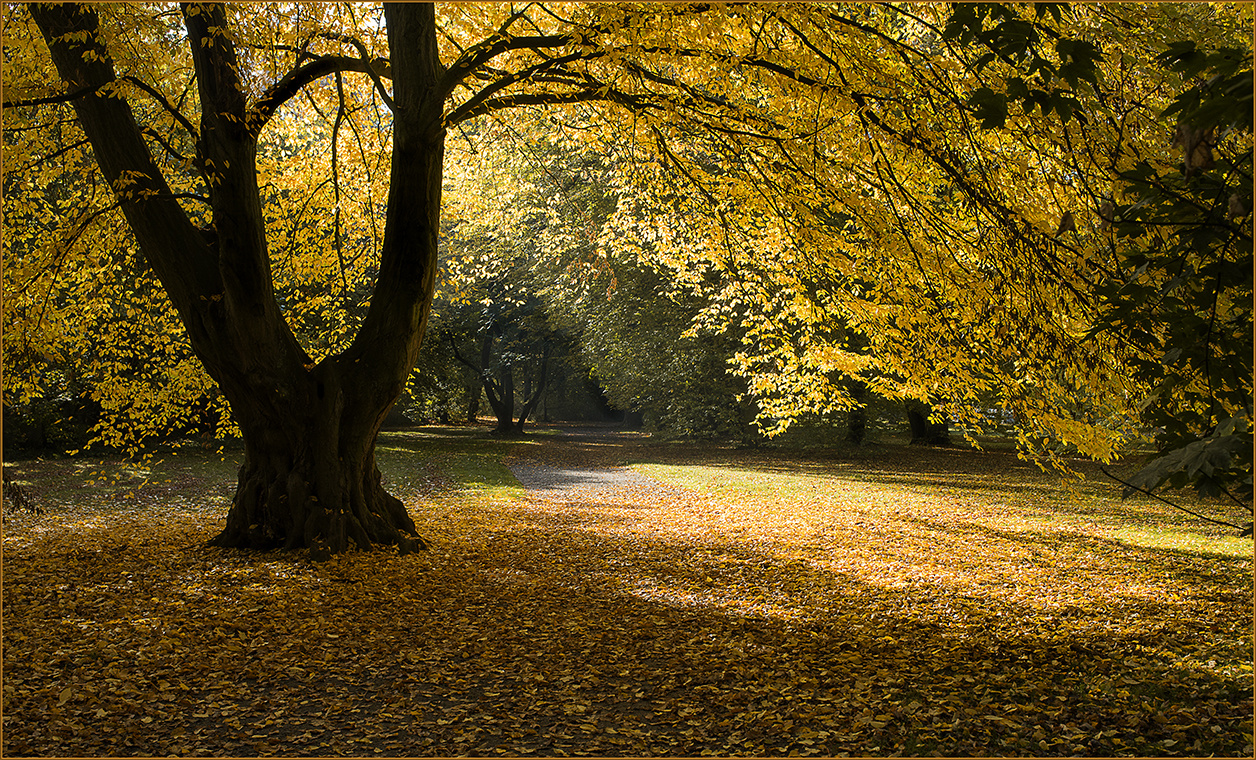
651,619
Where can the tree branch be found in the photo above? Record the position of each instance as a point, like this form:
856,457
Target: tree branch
162,142
458,354
369,62
186,268
63,98
479,54
161,100
548,99
470,106
50,156
292,82
482,52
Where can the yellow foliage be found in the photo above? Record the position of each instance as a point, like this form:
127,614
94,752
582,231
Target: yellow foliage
811,172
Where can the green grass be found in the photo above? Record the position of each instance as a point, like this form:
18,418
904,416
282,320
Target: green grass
188,476
469,459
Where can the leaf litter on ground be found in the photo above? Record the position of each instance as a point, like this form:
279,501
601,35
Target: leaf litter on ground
704,602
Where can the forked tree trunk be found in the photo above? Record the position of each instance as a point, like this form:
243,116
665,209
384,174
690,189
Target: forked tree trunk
530,404
925,431
309,477
500,392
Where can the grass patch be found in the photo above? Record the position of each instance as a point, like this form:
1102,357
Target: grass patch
470,460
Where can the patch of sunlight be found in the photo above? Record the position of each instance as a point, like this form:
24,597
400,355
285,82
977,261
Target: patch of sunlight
415,434
708,479
1173,537
723,601
998,549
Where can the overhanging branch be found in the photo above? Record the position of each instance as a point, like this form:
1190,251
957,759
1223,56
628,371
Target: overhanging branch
480,54
292,82
548,99
1246,530
471,105
63,98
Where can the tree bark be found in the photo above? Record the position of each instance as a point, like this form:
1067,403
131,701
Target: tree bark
309,477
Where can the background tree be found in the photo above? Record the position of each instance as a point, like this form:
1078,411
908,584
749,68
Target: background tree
638,344
532,241
630,325
492,294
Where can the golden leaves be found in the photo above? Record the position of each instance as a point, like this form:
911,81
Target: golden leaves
761,605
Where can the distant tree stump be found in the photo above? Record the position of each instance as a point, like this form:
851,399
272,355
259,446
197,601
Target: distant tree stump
16,497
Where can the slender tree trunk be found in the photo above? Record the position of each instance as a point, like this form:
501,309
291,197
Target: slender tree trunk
531,402
857,418
474,393
309,477
505,401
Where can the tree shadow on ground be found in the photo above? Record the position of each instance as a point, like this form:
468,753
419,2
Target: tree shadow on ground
562,638
590,628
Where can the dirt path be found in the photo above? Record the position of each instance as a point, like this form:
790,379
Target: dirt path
587,464
559,482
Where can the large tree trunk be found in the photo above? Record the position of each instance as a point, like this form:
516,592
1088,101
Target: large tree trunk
309,477
324,510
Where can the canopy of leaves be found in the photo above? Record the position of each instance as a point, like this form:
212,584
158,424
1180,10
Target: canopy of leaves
1187,300
911,199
